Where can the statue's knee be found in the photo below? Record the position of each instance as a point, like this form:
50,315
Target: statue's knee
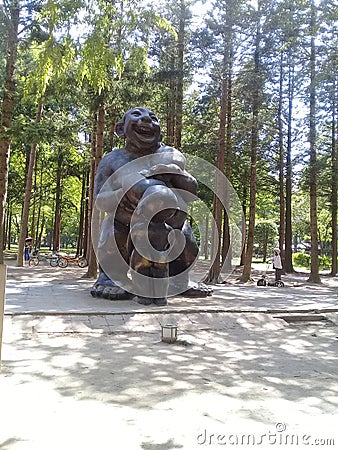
158,203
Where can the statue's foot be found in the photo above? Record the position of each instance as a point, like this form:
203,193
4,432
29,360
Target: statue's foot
200,290
144,300
110,292
148,301
160,301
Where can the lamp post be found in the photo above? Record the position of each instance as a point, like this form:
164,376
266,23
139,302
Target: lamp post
169,333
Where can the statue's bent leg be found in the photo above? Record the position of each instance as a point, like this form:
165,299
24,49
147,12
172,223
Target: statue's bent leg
112,281
150,279
160,272
180,268
141,277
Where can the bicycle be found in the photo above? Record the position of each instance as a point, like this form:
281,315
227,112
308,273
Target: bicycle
64,260
57,260
36,257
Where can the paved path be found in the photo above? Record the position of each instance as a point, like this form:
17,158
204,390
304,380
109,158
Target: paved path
58,300
64,295
44,289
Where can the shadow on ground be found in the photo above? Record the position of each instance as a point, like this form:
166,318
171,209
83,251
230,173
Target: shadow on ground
254,372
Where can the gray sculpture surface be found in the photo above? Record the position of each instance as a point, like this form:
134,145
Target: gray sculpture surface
146,246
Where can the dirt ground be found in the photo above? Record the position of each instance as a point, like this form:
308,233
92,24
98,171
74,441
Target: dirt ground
247,380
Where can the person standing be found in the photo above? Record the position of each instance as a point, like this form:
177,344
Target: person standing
28,249
277,264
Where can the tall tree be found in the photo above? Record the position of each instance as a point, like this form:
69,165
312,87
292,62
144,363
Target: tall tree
28,191
284,32
288,266
96,156
281,159
11,14
256,103
329,74
334,186
222,41
314,274
173,54
224,152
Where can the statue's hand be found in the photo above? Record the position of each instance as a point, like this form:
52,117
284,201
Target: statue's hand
158,169
138,189
172,175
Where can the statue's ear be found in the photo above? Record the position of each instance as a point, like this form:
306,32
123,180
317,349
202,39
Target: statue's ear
119,129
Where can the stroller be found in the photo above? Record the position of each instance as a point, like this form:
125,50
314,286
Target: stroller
265,281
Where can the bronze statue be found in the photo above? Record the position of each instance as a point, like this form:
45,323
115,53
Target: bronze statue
146,246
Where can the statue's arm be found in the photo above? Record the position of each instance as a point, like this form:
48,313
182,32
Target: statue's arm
115,189
108,201
186,182
107,194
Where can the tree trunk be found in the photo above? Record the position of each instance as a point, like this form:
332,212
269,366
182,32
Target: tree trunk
97,152
33,206
334,183
206,242
7,113
314,274
180,76
281,161
254,145
40,231
28,193
171,108
224,158
37,226
215,269
226,247
288,264
8,232
252,205
39,221
90,201
112,126
80,240
244,208
58,201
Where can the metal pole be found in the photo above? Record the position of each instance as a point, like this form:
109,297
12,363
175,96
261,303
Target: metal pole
3,271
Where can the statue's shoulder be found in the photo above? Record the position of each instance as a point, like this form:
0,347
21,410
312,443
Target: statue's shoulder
114,153
113,159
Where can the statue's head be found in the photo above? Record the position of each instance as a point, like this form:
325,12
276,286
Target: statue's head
141,128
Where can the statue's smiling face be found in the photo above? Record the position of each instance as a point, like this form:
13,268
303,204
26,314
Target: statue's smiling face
142,128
